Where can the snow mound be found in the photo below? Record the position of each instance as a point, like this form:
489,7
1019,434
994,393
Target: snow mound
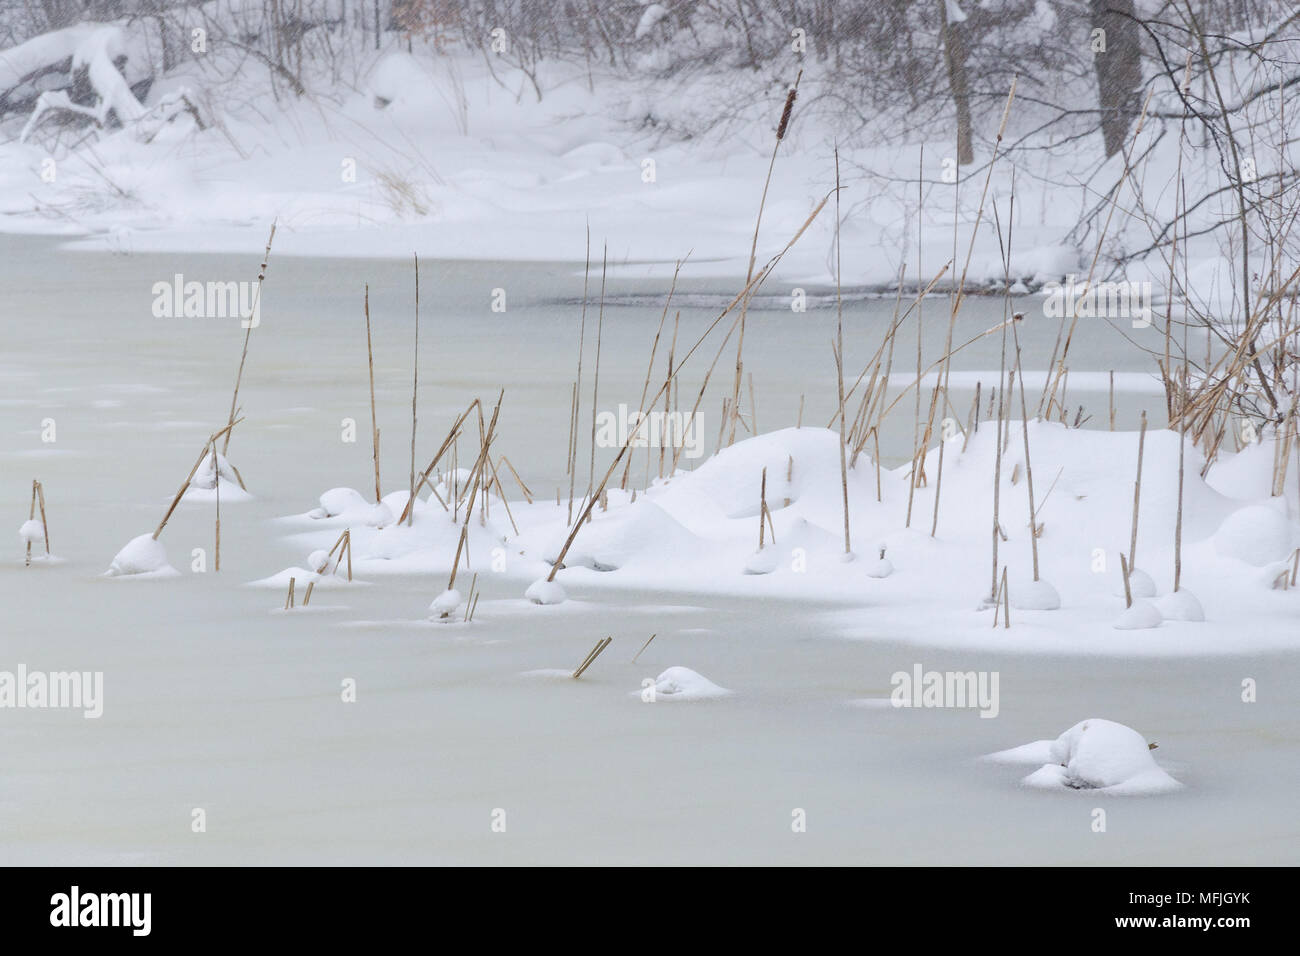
1035,596
444,605
682,683
318,560
543,591
762,562
1180,605
1094,754
340,502
1256,534
141,555
1141,616
31,531
1140,585
882,567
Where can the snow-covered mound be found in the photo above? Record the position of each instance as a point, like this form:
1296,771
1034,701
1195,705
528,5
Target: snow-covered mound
1094,754
1256,534
216,478
682,683
142,556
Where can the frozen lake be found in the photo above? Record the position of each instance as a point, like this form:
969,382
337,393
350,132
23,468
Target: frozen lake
215,700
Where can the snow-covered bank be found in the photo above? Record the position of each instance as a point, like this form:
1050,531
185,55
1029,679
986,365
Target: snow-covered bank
440,153
698,533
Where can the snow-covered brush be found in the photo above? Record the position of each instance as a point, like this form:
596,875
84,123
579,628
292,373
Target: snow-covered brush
445,604
32,530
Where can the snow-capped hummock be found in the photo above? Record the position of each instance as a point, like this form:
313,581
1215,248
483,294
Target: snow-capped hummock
31,531
142,555
213,478
1094,754
762,562
318,560
682,683
1141,616
1035,596
543,591
1180,605
881,567
445,605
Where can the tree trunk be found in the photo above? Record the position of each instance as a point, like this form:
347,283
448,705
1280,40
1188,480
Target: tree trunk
954,56
1117,58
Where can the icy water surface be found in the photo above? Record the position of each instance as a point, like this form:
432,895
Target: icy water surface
215,699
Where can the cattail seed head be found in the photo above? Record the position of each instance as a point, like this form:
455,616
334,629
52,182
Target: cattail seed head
785,114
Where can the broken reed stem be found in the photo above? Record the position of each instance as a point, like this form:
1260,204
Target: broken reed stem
472,597
1125,567
1137,494
643,647
672,357
528,495
839,354
190,477
374,417
477,478
1001,601
595,387
1024,426
288,601
257,299
216,487
762,507
591,657
415,390
45,528
306,597
577,385
1112,399
31,515
649,370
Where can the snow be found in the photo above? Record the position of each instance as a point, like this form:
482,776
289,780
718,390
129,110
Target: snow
682,683
143,556
31,531
1094,754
